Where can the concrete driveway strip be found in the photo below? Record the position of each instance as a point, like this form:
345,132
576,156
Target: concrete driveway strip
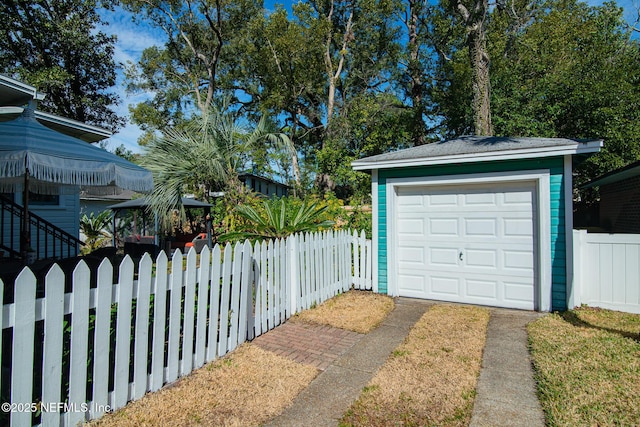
334,390
506,390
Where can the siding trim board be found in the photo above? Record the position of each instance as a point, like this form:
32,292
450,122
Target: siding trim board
551,189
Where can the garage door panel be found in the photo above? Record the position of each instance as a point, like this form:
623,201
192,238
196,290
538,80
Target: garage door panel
518,198
478,244
412,282
411,226
443,227
480,199
480,227
442,257
481,258
442,200
518,260
413,256
487,289
519,292
445,285
518,227
411,199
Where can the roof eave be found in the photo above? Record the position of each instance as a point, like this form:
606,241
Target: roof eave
580,148
74,128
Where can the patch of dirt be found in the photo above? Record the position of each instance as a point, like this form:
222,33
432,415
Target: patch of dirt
357,311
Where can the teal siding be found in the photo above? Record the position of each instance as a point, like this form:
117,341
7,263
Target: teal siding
555,165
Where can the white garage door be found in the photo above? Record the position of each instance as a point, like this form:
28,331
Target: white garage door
473,244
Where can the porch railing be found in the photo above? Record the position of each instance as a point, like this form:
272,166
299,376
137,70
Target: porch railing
47,240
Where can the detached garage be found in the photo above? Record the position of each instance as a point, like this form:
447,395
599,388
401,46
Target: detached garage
477,220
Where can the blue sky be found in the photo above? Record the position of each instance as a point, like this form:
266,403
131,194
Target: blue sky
134,38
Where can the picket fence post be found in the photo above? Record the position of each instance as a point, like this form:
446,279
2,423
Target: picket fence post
203,294
80,347
22,357
102,325
159,316
294,268
142,328
53,339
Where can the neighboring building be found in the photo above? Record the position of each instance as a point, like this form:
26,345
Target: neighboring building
62,211
96,203
478,220
619,210
263,185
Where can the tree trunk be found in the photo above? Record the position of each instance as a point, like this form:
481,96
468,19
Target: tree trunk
476,38
481,83
415,75
334,75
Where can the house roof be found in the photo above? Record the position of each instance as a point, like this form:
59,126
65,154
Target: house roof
142,203
614,176
246,175
478,149
15,94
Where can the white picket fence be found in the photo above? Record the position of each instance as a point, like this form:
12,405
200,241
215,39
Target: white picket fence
166,324
606,271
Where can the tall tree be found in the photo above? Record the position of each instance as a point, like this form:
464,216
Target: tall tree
573,72
188,71
57,46
281,73
203,156
473,16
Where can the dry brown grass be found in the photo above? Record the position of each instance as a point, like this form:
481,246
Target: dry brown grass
357,311
431,378
245,388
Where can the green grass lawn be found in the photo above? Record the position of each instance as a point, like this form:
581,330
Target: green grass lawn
587,364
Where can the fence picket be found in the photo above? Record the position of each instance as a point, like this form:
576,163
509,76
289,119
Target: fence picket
214,305
53,339
142,327
246,293
306,253
79,344
235,296
263,287
283,285
228,298
270,290
102,324
123,334
22,357
225,301
203,296
259,291
175,313
189,313
355,259
159,317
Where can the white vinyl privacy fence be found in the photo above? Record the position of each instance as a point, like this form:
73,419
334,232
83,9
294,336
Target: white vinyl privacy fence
606,271
69,357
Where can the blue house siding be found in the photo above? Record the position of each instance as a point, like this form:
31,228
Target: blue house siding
555,165
65,215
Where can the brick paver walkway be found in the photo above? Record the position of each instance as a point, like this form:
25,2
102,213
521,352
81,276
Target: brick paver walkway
317,345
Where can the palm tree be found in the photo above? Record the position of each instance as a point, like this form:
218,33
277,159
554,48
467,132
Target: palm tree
205,155
279,219
95,229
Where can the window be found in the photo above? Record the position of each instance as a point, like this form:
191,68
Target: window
44,199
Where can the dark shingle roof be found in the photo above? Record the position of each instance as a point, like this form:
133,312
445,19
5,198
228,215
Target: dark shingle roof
480,146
